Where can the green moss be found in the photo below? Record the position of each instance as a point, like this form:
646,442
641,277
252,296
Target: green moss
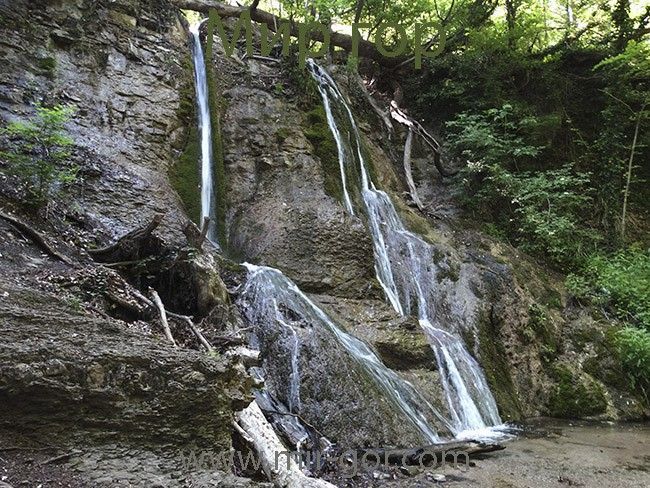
539,321
185,176
318,133
403,350
539,329
48,66
282,134
576,395
497,372
219,167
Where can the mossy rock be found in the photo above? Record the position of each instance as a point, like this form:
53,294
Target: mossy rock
218,163
318,133
402,350
185,176
576,395
497,370
606,365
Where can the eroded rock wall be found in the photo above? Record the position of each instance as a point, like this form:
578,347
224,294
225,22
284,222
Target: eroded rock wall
121,64
77,372
514,315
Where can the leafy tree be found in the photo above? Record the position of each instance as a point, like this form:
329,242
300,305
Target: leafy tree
539,210
626,114
38,151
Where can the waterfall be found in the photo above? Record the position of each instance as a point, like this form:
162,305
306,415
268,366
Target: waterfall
203,105
406,270
272,302
270,298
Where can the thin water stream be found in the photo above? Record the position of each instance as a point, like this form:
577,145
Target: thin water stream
205,129
405,267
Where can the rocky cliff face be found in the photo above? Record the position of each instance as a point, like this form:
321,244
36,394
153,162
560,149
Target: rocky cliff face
120,64
77,370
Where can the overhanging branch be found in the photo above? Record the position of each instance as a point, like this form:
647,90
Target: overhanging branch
366,48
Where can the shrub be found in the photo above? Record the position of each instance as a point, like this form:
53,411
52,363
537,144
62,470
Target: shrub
38,151
620,283
633,345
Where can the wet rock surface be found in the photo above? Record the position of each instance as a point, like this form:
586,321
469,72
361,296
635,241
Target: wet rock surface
279,213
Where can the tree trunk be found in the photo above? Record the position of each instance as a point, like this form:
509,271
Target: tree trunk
630,166
367,49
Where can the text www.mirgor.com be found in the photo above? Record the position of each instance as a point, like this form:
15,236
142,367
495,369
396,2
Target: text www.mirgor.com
349,462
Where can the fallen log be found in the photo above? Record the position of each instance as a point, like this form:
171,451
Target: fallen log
293,428
35,237
284,471
129,246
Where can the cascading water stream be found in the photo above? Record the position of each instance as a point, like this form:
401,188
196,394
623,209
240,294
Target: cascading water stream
268,292
203,105
405,267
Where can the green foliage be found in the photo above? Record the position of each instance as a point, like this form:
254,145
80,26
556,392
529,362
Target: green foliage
494,136
633,346
620,283
630,71
626,79
538,210
38,151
